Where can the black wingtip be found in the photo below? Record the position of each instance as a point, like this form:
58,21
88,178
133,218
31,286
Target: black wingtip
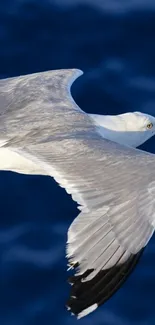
87,296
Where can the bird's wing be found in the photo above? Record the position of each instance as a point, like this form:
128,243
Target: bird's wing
112,184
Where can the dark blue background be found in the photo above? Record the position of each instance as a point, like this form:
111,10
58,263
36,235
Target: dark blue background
113,42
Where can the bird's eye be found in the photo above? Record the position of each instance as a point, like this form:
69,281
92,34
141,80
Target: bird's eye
149,125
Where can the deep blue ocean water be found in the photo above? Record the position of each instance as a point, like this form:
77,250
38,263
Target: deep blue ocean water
113,42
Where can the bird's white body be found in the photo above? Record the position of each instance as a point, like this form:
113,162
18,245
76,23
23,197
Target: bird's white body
118,128
13,161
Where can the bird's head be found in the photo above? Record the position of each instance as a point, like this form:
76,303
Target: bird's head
139,127
129,129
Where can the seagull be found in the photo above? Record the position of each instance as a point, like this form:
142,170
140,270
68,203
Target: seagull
94,157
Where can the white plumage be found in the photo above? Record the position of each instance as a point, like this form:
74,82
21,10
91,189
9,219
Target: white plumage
44,132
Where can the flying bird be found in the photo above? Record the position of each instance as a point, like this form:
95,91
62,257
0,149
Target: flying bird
94,157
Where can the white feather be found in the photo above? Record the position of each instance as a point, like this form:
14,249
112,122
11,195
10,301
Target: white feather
47,133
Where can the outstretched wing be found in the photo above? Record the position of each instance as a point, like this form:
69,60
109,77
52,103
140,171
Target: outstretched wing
112,184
